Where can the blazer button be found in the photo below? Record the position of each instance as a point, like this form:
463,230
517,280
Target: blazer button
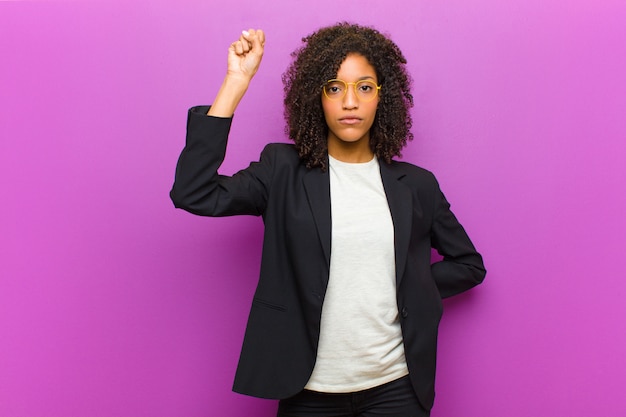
404,312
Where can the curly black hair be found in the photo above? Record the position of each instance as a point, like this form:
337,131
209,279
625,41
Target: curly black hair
317,61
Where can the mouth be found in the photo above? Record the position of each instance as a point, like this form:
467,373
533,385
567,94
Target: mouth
350,120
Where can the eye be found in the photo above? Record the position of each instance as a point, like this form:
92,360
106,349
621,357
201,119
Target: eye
366,87
334,87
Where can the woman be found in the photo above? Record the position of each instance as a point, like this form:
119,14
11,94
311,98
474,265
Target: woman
344,319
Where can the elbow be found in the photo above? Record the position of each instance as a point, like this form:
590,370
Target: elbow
478,270
194,203
479,276
176,200
481,272
181,201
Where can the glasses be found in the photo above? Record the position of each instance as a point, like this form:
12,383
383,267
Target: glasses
366,90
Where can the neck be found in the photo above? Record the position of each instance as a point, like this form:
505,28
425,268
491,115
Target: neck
355,152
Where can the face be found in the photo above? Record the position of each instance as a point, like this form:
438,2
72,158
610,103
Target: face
349,119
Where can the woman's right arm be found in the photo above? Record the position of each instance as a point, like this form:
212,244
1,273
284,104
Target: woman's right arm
244,58
198,188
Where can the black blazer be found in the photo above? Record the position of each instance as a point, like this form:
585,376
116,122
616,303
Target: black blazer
281,339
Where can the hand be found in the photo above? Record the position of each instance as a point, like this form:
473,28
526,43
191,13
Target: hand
244,55
244,58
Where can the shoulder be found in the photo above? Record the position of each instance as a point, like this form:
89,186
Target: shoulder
420,181
281,153
287,149
410,172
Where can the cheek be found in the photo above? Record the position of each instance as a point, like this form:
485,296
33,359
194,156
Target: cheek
329,109
373,109
326,106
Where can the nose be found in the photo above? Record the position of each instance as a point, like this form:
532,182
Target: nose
350,100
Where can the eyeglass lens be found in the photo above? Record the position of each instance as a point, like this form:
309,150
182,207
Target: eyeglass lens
365,89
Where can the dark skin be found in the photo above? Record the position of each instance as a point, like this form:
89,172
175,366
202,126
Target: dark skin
321,59
352,144
244,58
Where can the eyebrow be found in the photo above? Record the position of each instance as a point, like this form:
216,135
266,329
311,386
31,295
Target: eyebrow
363,78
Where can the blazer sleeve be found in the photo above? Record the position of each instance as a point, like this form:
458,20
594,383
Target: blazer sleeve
462,266
199,188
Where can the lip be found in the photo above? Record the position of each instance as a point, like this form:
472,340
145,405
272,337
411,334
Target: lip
350,120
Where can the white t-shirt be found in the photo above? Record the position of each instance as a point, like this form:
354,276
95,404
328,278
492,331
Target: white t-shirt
360,343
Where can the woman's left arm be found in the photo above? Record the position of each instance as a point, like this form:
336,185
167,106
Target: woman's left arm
462,266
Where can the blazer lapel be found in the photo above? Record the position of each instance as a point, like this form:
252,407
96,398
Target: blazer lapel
317,188
401,207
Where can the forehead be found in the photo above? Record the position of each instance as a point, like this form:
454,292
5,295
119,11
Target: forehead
355,67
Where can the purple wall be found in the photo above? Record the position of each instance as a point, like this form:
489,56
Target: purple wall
113,303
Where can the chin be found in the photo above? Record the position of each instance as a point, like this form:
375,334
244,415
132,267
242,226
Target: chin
353,137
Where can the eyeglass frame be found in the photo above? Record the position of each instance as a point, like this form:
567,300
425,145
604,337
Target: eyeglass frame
356,93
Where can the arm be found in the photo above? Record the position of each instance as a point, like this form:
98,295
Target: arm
198,188
244,58
462,266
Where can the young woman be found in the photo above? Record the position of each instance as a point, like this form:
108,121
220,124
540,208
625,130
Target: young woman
344,319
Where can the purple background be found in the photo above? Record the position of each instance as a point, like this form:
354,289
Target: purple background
113,303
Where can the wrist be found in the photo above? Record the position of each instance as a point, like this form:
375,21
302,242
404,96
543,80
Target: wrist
236,81
233,89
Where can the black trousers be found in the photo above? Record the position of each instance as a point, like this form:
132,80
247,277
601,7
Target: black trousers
394,399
